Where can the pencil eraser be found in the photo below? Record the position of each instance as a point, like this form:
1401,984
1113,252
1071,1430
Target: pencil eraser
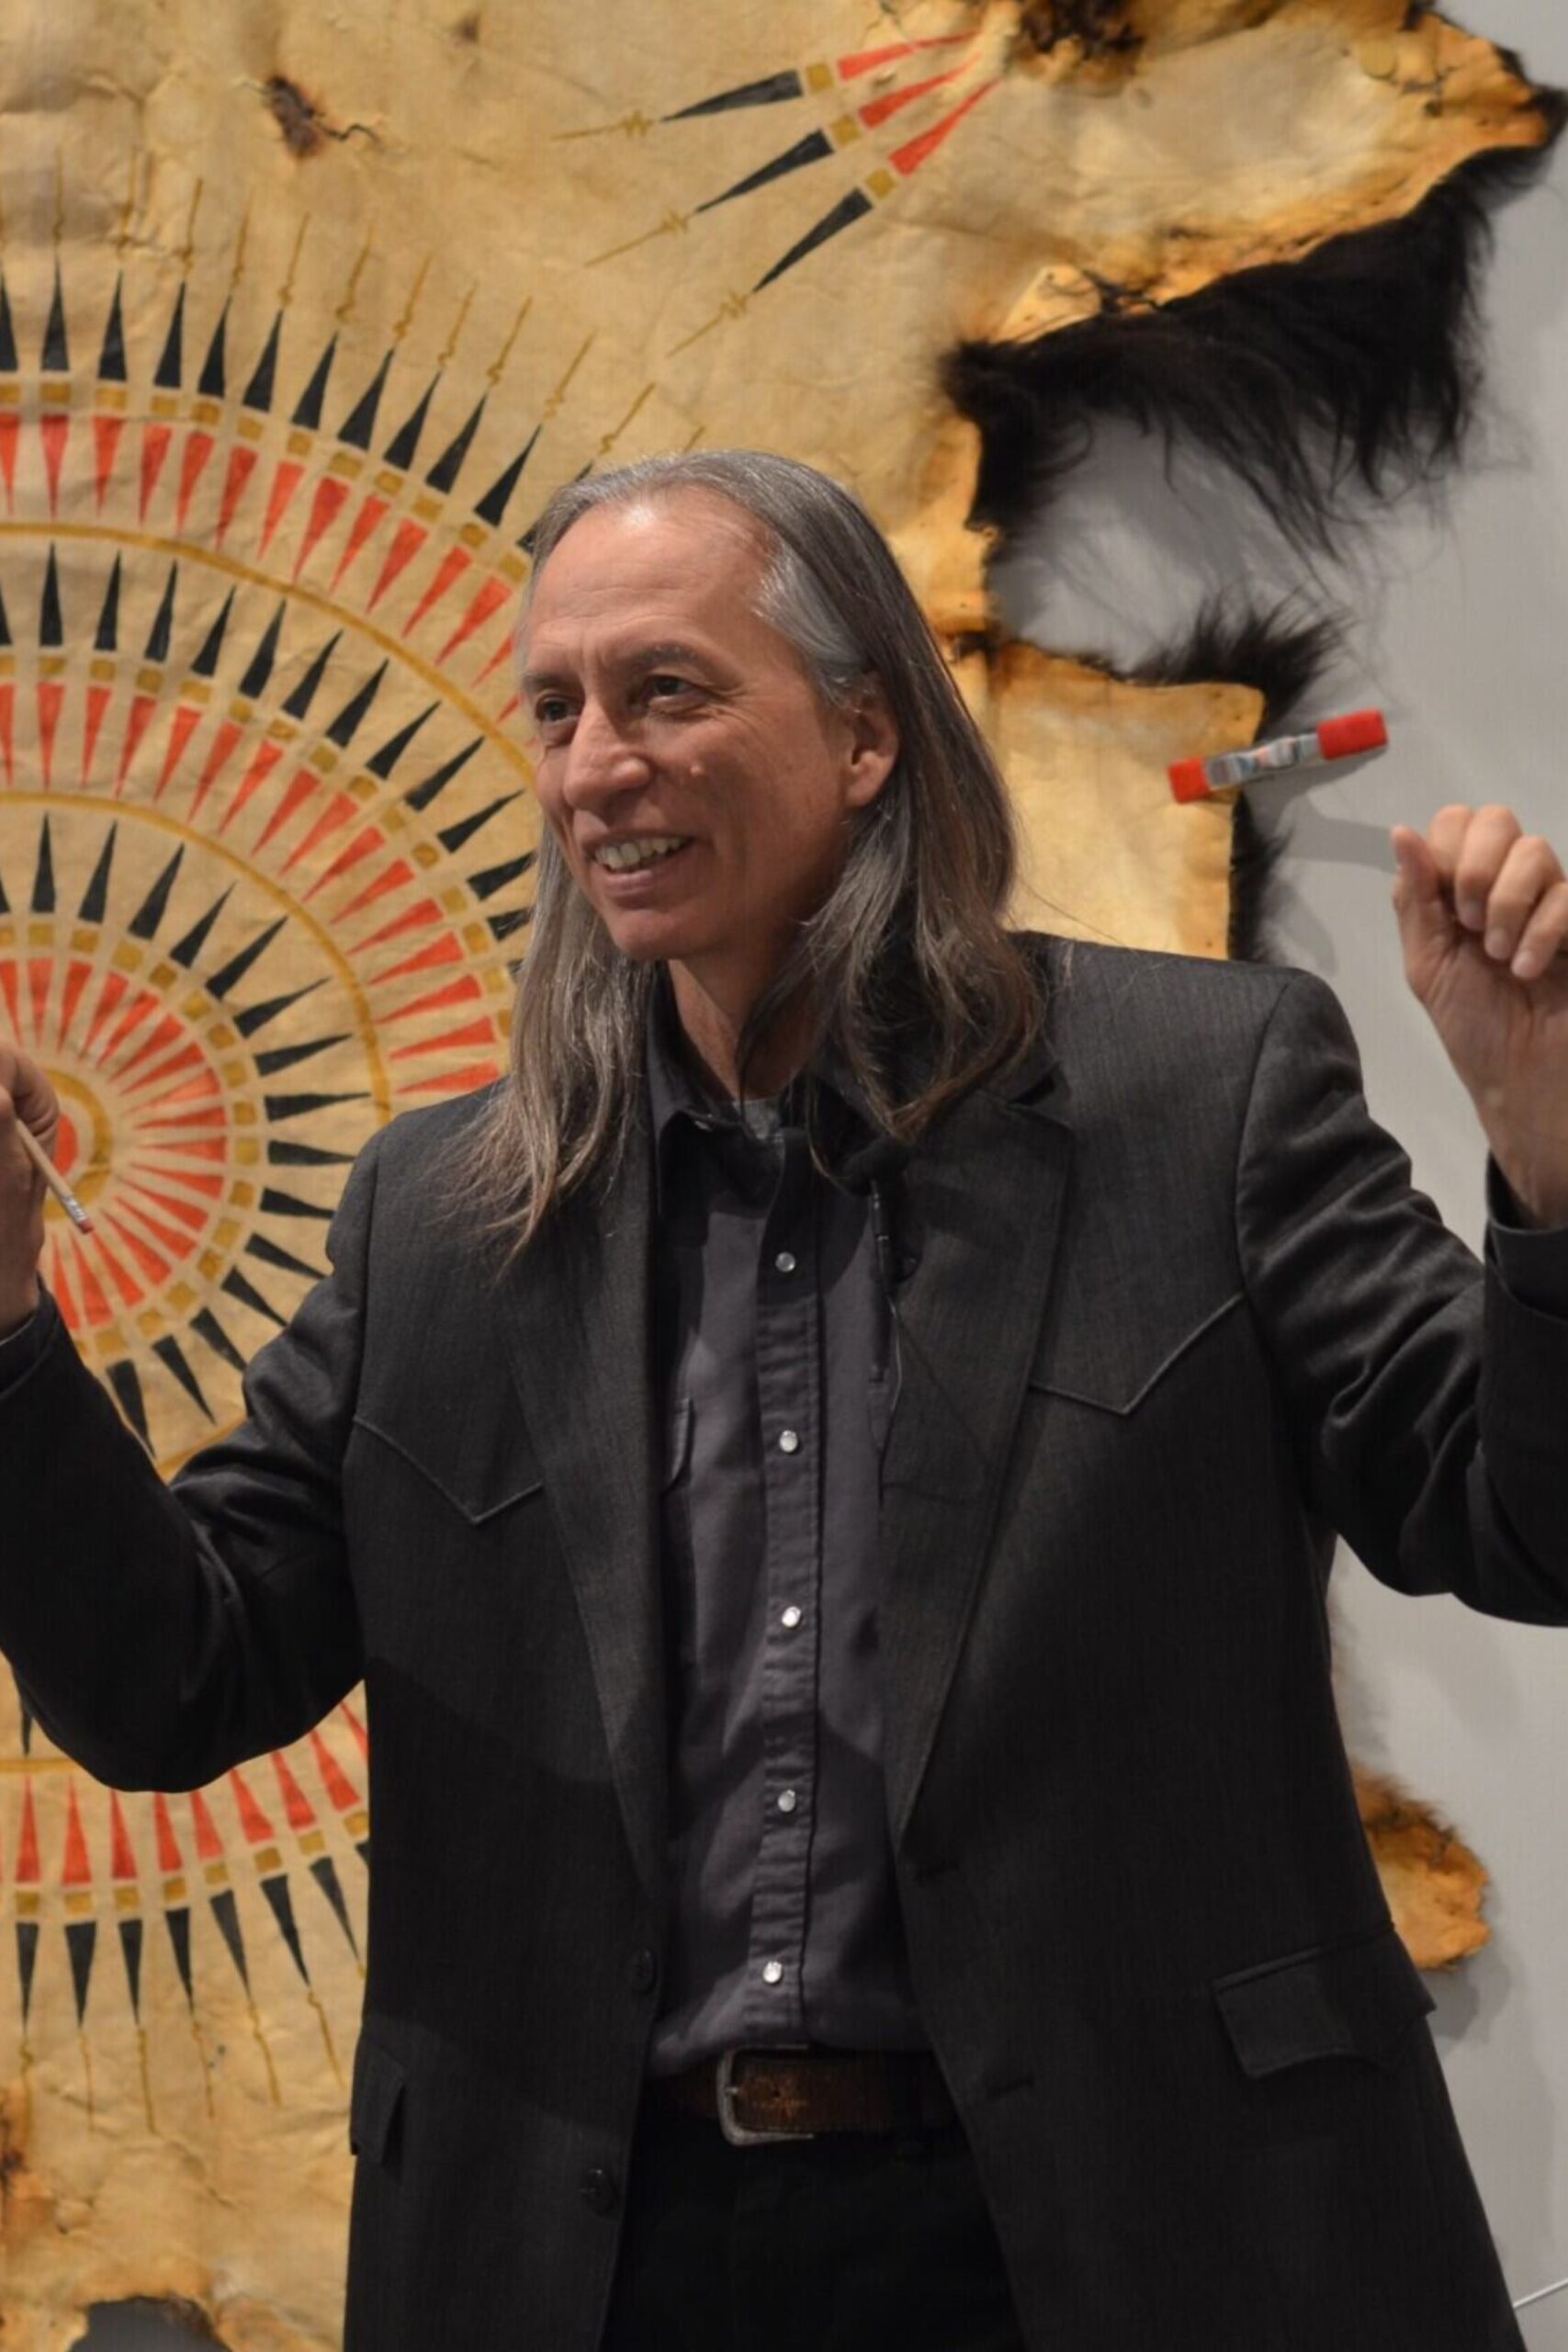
1187,781
1361,730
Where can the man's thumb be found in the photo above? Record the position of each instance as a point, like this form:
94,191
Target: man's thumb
1425,922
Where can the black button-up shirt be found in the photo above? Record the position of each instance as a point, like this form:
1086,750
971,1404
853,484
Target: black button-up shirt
776,1364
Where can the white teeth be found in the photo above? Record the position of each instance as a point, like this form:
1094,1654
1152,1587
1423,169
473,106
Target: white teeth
620,857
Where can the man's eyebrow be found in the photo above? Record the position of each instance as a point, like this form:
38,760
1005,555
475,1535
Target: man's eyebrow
667,653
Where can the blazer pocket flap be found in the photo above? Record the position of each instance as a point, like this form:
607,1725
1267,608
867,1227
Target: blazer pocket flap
1355,1999
474,1449
1112,1359
374,2101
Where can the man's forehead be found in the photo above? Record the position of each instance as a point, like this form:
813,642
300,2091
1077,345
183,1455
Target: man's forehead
677,578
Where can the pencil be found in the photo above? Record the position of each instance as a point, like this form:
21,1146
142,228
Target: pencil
53,1179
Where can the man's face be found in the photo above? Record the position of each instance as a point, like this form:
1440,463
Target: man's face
672,719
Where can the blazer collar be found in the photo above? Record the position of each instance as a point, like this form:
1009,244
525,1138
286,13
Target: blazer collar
575,1311
984,1196
984,1190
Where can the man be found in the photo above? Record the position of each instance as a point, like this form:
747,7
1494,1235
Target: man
829,1476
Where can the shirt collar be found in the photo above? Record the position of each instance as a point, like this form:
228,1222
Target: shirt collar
674,1093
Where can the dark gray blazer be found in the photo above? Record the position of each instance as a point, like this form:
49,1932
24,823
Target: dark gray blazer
1177,1317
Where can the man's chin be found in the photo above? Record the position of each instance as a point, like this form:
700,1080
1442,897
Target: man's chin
652,938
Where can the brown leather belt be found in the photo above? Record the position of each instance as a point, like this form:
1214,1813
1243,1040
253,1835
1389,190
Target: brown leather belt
764,2095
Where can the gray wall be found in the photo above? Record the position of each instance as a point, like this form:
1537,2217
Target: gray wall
1464,642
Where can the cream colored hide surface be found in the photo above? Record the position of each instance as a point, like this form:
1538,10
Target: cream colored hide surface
305,313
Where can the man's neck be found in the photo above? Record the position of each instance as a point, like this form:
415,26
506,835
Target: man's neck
713,1029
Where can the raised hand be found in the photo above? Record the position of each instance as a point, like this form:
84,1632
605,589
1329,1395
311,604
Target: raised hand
1483,910
24,1095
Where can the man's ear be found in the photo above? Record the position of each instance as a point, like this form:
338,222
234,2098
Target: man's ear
871,747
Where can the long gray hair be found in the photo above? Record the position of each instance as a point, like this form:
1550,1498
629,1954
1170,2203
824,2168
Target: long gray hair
914,985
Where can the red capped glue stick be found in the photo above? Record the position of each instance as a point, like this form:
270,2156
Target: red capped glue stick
1337,738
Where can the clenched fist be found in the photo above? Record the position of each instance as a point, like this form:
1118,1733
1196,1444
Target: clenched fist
1482,911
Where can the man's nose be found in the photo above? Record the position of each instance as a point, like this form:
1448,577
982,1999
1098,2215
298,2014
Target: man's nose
603,760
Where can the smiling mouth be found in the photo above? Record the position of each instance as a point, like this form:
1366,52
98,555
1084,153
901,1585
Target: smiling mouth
628,857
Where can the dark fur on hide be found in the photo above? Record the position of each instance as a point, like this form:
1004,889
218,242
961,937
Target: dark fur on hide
1255,865
1355,368
1280,653
1100,25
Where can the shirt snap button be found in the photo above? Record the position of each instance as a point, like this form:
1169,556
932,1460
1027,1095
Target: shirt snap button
599,2189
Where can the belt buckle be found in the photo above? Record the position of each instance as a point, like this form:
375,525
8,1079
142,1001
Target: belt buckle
727,2090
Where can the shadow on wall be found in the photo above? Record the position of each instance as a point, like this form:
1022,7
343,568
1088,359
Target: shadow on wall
140,2325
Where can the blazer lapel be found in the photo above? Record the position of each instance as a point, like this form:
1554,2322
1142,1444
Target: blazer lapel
576,1313
983,1198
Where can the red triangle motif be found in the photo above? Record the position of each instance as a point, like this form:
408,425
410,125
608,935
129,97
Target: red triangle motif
54,429
107,430
154,449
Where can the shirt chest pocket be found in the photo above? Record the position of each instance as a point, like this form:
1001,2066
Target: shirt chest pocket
675,1471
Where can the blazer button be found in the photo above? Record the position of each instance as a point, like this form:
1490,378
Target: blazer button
644,1971
599,2189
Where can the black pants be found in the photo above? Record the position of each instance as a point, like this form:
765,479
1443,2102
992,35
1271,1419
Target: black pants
832,2245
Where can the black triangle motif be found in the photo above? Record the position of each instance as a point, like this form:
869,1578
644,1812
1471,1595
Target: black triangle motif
259,392
108,637
359,425
95,897
172,1357
453,838
130,1945
443,473
299,703
401,448
494,505
111,355
255,680
420,796
163,627
52,625
170,360
144,923
186,953
211,384
342,729
55,358
496,877
206,662
238,965
205,1326
309,412
391,751
43,873
256,1016
126,1386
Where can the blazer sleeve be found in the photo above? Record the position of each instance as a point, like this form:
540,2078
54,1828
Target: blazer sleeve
1426,1399
161,1632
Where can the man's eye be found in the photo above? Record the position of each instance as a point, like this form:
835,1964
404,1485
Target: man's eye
664,683
551,710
